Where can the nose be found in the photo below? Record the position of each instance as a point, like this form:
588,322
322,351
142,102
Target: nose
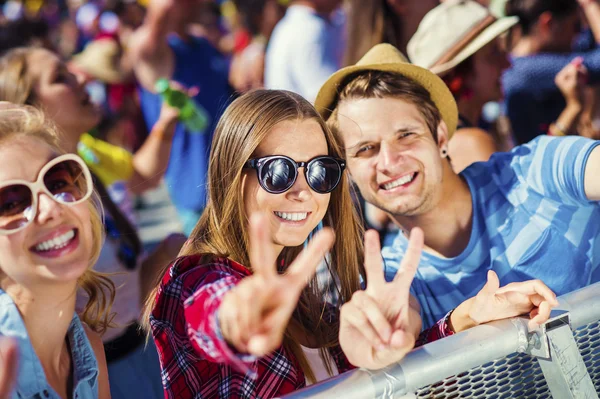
387,157
48,209
300,191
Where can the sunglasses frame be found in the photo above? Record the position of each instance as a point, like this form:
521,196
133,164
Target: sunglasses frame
259,163
38,187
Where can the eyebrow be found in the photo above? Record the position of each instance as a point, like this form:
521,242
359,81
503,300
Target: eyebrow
403,129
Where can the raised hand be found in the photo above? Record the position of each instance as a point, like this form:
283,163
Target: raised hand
514,299
8,366
380,324
571,80
254,315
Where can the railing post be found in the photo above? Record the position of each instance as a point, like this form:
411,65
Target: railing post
558,355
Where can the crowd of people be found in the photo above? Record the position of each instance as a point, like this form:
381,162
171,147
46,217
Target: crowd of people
460,136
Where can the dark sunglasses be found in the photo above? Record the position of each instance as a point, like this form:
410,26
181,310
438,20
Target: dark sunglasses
66,179
278,173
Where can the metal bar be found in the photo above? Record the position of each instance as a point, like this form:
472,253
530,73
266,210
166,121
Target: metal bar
450,356
564,370
426,364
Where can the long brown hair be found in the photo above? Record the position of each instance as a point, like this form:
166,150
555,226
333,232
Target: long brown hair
223,227
17,87
369,23
17,121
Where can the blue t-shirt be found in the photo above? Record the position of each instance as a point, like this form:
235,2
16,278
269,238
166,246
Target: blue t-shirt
31,378
531,220
197,63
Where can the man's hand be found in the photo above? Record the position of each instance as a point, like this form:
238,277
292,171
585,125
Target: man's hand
379,326
495,303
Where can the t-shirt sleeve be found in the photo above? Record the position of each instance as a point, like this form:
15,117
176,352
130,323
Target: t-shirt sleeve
555,166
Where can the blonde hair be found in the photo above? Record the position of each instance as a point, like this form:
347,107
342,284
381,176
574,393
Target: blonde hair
16,83
19,121
223,228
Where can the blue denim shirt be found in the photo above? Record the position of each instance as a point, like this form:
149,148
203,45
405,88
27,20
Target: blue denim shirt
31,379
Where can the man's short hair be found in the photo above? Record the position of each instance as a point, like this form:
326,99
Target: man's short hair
380,84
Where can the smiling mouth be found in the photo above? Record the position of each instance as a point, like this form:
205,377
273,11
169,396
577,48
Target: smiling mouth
56,243
399,182
292,216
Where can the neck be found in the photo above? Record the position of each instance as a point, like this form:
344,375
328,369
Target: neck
447,226
70,147
49,306
326,12
470,109
525,46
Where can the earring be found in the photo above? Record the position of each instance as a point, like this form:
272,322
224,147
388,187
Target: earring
444,153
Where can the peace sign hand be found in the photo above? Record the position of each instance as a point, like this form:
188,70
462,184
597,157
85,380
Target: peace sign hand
254,315
379,325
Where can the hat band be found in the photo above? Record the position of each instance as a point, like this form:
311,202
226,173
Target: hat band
462,43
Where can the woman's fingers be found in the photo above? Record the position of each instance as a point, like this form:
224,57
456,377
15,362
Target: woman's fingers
261,259
229,322
305,265
8,366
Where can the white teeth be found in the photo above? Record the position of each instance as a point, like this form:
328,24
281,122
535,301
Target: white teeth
294,217
56,243
403,180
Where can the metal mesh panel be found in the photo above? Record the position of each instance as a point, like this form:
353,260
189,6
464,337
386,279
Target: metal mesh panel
514,376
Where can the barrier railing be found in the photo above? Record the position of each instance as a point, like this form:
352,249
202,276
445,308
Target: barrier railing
560,360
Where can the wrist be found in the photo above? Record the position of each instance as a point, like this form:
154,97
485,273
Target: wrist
164,129
460,319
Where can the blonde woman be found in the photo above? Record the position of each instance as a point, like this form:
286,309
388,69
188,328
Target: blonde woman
50,237
38,77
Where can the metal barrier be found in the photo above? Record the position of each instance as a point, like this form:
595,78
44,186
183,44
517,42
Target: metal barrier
502,359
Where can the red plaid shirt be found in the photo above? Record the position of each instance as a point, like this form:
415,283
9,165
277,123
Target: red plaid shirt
196,361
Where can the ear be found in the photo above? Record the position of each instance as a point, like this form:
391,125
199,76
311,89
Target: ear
544,23
442,139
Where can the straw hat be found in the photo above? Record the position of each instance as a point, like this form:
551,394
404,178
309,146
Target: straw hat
101,60
452,32
387,58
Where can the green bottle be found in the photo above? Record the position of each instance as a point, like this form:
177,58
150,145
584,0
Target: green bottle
192,115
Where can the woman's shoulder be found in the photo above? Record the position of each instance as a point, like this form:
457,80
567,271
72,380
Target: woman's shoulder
191,269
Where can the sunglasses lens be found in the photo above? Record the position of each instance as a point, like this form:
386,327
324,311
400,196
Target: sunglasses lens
66,181
323,174
278,175
15,206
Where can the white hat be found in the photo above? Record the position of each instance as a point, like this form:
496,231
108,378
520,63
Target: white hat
452,32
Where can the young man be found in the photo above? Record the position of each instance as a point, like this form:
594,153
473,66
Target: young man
529,214
163,48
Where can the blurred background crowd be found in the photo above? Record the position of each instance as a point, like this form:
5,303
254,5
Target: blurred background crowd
517,68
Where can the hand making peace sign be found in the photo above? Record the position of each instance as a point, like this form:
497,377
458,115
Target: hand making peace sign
254,315
380,324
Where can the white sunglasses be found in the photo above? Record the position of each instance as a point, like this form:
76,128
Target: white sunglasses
66,179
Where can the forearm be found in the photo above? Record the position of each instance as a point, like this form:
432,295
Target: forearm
151,160
204,330
592,13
